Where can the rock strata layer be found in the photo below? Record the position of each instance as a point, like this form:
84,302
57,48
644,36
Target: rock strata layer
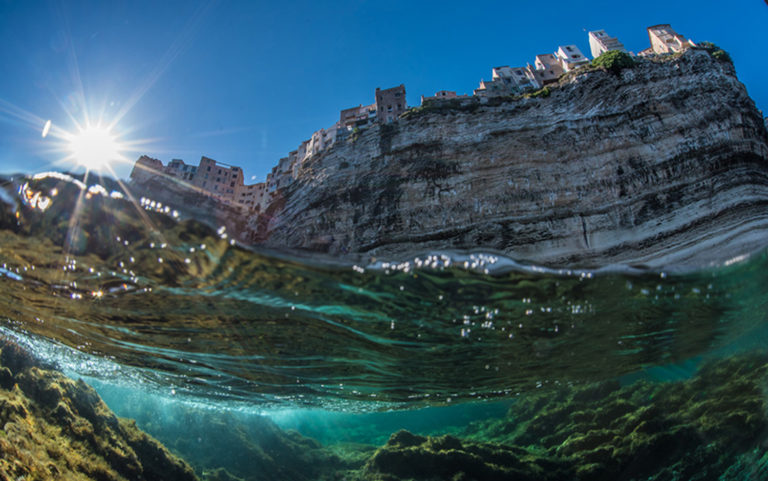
665,162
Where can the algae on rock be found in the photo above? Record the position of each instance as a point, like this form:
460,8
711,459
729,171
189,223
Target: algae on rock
57,428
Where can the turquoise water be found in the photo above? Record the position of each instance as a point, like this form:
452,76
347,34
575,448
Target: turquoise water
208,344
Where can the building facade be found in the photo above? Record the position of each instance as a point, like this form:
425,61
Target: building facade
548,68
442,94
600,42
665,40
177,168
390,103
253,197
146,168
570,57
357,116
218,179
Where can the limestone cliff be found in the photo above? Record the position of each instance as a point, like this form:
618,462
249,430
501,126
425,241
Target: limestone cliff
665,162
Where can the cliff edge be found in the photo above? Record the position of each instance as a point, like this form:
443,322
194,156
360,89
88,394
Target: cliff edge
662,163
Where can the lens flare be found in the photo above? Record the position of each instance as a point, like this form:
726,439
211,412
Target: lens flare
94,147
46,128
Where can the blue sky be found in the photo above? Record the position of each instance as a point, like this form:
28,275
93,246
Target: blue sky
246,82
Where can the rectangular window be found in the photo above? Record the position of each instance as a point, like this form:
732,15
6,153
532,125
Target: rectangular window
209,168
232,184
203,183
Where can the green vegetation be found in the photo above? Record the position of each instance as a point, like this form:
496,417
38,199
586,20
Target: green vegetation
57,428
355,134
716,52
614,61
698,428
542,92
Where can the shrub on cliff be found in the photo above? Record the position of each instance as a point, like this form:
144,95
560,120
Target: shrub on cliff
716,52
614,61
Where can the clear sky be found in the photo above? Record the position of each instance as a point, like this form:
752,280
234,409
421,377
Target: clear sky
246,82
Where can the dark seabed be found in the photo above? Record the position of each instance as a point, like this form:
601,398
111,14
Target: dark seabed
271,365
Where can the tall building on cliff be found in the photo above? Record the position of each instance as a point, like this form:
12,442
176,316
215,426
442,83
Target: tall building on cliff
214,179
146,168
600,42
218,178
665,40
390,103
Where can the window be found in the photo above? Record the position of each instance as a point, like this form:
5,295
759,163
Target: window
209,168
219,171
203,183
569,49
232,184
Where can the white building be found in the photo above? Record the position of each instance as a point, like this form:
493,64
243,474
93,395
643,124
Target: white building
517,78
600,42
548,69
570,57
665,40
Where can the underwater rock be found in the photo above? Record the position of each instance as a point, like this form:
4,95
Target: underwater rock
57,428
225,445
408,456
713,426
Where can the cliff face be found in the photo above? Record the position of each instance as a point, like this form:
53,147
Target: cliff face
666,162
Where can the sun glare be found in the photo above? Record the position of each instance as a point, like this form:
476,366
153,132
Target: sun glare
94,147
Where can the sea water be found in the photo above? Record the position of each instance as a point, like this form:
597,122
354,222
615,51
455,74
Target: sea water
207,343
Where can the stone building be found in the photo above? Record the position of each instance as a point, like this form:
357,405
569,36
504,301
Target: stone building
600,42
177,168
218,179
390,103
146,168
442,94
253,197
665,40
357,116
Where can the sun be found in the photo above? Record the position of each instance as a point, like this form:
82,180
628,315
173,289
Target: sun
94,147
